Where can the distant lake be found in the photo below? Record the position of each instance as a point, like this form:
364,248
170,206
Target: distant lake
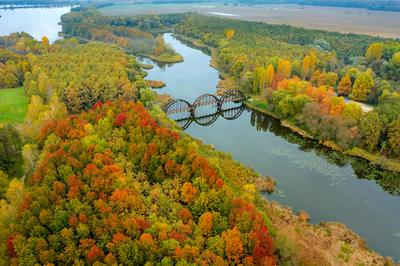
38,22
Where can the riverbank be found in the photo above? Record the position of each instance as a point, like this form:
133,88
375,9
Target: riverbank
298,241
201,46
376,159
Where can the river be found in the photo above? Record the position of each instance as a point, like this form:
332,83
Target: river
329,186
38,22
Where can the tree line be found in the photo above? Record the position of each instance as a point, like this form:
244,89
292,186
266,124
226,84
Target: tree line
139,34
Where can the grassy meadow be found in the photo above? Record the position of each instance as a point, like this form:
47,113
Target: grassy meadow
13,105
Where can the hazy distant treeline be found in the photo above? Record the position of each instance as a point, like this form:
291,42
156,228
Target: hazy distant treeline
9,3
387,5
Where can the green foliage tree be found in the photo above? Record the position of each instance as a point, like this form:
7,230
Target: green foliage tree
391,70
331,79
353,110
292,106
371,129
362,86
394,136
10,150
3,183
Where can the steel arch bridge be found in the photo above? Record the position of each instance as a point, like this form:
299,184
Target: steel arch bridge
219,104
206,109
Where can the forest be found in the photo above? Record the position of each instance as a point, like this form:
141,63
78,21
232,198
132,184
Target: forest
139,35
92,176
92,198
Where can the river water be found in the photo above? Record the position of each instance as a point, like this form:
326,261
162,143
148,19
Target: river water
38,22
328,186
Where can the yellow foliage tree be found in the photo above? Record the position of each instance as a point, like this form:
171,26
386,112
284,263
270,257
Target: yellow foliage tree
233,245
206,223
374,52
345,84
318,78
266,77
353,110
308,65
396,58
363,86
284,70
45,40
269,76
230,33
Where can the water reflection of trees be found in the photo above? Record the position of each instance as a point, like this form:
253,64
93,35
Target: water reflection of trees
161,66
205,50
389,181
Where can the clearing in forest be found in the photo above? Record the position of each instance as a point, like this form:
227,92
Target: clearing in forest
13,105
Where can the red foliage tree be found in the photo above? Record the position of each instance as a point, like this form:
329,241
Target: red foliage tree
97,105
185,215
120,119
264,246
10,246
95,253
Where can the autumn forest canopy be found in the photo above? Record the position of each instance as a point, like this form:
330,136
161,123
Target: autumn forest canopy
113,186
97,174
105,182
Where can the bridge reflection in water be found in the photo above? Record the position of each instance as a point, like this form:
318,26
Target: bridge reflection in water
206,109
206,120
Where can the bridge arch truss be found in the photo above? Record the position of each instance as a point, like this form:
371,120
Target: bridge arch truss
219,104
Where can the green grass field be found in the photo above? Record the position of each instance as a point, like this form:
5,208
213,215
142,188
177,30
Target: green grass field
13,105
